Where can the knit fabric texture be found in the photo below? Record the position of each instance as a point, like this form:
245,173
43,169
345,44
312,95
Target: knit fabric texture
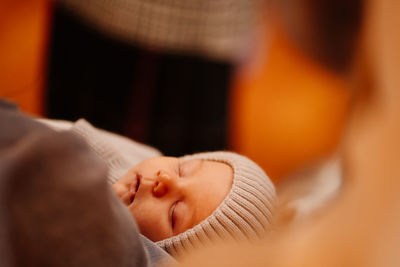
214,28
245,213
119,153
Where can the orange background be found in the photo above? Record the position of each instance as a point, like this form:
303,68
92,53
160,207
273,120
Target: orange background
286,110
23,38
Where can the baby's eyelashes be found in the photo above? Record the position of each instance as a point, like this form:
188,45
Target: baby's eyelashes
172,215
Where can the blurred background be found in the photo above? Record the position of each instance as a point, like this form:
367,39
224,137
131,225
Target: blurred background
185,76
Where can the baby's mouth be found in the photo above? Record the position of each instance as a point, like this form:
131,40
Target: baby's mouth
134,188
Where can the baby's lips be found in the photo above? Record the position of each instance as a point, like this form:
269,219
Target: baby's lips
131,197
125,198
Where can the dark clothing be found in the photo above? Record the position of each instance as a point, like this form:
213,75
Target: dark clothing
175,102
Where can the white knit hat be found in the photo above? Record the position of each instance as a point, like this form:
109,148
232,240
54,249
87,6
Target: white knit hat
245,213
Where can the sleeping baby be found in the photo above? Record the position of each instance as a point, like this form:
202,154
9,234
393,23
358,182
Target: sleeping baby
187,202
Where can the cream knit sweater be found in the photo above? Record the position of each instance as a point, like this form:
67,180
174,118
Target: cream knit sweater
118,153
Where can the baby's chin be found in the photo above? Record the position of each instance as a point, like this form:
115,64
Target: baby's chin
119,189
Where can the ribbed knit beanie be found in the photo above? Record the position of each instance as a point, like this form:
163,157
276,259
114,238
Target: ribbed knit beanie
245,213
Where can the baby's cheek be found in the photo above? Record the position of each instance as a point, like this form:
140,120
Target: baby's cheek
150,225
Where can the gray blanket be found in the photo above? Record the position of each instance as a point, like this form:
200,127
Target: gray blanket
56,208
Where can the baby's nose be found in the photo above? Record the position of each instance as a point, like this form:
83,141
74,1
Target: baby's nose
163,183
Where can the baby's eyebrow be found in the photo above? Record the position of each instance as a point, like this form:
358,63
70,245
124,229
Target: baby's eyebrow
198,167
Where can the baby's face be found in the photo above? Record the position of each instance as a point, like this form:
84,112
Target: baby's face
167,195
